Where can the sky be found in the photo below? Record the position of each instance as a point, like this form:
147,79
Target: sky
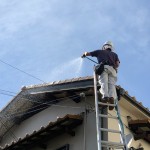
45,39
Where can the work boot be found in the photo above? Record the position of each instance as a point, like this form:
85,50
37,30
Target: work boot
111,101
105,99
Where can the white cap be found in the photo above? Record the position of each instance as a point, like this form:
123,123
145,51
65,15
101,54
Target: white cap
109,43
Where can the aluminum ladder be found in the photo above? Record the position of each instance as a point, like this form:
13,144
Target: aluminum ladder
108,145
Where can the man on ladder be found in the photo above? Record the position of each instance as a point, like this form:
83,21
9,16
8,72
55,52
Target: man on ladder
108,77
107,71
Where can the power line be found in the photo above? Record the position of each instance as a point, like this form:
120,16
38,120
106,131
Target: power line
20,113
40,103
21,70
7,94
32,99
45,103
28,112
7,91
11,133
23,113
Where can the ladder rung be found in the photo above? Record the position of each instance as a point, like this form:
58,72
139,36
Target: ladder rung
114,147
110,130
108,116
112,144
100,103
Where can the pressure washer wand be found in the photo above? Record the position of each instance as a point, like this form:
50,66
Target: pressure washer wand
83,56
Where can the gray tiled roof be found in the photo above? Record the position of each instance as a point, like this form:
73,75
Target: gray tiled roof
60,82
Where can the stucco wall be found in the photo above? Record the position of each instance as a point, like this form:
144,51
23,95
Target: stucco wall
126,110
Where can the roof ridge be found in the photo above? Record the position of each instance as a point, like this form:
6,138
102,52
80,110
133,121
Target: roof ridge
58,82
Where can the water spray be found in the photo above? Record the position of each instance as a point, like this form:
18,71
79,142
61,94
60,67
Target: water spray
84,56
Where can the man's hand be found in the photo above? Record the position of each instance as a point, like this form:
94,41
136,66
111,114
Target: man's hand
86,54
83,56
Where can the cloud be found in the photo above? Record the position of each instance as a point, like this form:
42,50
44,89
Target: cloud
16,15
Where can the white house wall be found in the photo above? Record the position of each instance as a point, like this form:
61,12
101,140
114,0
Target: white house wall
77,142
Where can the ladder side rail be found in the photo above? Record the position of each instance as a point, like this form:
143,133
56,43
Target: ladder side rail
121,126
98,119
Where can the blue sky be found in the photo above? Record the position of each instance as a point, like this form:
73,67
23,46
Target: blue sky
46,39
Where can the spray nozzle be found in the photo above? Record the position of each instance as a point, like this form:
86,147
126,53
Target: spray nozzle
83,56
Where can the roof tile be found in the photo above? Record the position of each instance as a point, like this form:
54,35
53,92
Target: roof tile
78,117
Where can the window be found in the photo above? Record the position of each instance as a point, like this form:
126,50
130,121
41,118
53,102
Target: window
65,147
